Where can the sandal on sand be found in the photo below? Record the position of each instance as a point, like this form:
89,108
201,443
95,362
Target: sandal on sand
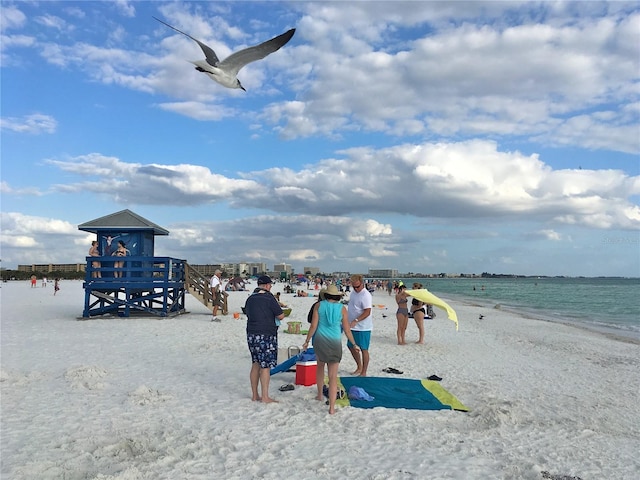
392,370
287,387
340,393
435,378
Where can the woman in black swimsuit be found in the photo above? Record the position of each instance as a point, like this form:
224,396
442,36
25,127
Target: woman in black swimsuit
418,311
402,314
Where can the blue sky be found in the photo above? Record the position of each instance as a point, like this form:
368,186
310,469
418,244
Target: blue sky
461,137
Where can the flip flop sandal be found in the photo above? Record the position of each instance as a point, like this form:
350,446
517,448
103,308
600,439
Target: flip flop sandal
392,370
435,378
287,387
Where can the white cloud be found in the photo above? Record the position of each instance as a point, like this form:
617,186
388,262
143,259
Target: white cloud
35,123
470,179
11,17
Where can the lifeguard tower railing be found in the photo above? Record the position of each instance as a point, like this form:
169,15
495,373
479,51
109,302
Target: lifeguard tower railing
151,285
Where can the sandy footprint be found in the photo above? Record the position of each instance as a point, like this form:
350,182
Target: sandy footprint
144,395
87,377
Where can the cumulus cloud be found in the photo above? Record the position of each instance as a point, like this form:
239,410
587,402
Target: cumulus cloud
471,179
457,79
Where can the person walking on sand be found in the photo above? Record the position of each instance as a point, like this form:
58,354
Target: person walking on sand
56,286
361,323
328,321
262,311
402,314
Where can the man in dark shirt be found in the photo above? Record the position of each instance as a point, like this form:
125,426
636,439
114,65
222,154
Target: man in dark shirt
262,310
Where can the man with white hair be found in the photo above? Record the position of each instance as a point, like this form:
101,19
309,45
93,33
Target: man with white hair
216,293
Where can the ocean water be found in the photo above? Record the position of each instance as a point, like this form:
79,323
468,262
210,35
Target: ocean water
605,304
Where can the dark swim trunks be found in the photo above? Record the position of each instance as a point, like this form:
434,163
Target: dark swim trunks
264,349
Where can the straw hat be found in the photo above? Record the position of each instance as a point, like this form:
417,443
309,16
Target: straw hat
333,290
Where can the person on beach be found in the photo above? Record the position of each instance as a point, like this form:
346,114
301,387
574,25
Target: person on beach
315,304
402,314
217,294
34,280
329,319
418,312
121,251
44,281
361,323
56,286
94,252
262,311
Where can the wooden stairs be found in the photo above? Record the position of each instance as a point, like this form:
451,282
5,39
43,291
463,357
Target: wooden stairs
198,286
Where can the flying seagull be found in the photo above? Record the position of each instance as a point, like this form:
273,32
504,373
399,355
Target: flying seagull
224,72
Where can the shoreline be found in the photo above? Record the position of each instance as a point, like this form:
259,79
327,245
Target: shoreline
610,331
140,398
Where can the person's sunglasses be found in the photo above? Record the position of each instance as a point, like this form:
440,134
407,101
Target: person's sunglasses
357,286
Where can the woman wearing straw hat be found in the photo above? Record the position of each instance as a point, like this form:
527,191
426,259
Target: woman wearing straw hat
328,322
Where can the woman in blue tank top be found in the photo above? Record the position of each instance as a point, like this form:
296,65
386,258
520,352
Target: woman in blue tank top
328,322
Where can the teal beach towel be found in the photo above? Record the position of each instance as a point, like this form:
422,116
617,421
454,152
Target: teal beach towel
401,393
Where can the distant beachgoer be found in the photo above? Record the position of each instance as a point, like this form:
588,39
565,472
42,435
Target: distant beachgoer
34,281
44,281
217,293
94,252
402,314
361,323
56,286
262,310
418,312
328,322
279,301
108,240
121,251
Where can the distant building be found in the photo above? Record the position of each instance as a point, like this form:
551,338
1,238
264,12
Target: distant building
53,267
310,270
209,269
341,274
233,269
383,273
283,267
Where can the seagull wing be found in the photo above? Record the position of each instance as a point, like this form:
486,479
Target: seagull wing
234,62
212,58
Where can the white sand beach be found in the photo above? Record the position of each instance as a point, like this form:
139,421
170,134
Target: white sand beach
142,398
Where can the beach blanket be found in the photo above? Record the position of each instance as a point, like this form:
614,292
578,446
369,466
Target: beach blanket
400,393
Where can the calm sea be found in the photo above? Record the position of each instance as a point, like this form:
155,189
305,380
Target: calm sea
605,304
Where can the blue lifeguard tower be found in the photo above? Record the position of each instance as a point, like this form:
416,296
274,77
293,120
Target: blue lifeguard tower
138,282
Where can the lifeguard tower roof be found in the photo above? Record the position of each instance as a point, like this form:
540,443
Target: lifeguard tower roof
125,220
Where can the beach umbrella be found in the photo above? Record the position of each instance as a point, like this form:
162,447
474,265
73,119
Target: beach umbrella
426,296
